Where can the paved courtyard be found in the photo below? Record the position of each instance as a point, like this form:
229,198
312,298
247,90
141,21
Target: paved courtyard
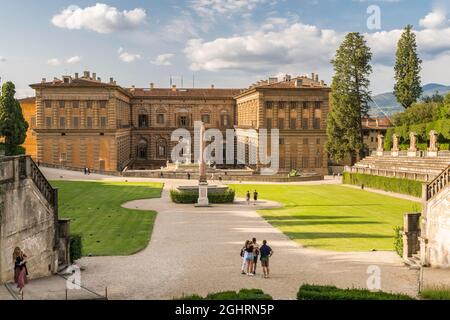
196,250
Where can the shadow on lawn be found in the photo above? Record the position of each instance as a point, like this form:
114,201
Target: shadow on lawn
335,235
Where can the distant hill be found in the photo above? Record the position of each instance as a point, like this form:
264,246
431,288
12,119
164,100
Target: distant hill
389,105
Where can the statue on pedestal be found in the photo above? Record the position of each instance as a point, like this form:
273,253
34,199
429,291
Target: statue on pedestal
433,148
412,152
395,149
380,149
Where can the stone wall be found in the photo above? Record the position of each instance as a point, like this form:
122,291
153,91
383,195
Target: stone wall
27,221
436,252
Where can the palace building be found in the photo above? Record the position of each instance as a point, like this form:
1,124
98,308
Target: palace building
81,121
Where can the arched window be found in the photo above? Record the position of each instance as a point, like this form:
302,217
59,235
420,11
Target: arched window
142,149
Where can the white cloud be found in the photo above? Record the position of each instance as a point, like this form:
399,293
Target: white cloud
163,59
100,18
128,57
434,20
302,47
2,59
73,60
53,62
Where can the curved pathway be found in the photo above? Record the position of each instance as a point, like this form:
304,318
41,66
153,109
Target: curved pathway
196,250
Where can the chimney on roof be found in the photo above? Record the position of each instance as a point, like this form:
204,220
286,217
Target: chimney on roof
313,76
94,76
287,78
86,74
43,80
298,82
212,86
99,79
76,75
174,87
317,78
111,80
133,87
152,85
322,83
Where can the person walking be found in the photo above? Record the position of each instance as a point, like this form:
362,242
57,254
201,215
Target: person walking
247,197
255,196
255,255
20,268
266,252
244,257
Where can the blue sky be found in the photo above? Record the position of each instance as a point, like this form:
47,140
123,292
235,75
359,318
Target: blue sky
228,43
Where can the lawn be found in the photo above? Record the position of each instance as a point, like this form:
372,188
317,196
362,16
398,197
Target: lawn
96,213
333,217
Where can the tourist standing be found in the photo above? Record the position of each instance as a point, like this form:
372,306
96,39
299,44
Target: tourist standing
266,252
20,268
247,197
255,254
244,256
255,196
249,258
189,176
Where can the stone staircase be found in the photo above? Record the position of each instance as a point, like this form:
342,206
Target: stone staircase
414,168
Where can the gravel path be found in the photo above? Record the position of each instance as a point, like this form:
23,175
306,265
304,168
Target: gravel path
196,250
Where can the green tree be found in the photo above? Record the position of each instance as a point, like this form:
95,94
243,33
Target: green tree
350,97
13,126
408,88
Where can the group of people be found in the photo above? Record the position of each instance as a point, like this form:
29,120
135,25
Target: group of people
255,197
86,171
20,268
250,253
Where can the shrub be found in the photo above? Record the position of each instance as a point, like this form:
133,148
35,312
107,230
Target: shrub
404,186
76,247
436,293
243,294
315,292
178,196
398,240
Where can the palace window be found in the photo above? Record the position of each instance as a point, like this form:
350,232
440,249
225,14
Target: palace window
103,104
305,115
281,123
48,104
48,122
305,141
33,122
281,141
293,123
89,104
75,104
269,105
103,122
76,122
89,122
142,149
281,104
224,120
143,121
318,141
160,118
183,122
317,116
62,103
269,123
62,122
162,149
305,162
206,118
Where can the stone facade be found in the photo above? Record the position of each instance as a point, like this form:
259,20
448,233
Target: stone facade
84,122
28,219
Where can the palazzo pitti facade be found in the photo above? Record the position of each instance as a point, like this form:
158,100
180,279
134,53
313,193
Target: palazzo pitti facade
82,122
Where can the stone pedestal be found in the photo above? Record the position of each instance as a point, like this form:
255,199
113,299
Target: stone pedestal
202,195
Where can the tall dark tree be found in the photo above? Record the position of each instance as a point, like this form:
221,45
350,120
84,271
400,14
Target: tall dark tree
13,126
350,97
408,87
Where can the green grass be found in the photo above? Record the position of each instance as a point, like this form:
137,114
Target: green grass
333,217
96,213
243,294
315,292
436,293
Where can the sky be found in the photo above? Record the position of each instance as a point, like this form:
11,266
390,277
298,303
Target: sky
228,43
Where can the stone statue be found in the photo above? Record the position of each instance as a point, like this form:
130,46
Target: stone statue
433,141
413,142
395,142
380,149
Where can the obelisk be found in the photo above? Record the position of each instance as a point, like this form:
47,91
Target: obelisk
202,180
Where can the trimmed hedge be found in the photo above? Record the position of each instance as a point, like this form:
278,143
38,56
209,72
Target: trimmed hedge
76,247
404,186
243,294
398,241
315,292
187,197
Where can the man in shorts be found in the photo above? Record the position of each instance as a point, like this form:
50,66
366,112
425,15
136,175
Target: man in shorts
265,252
